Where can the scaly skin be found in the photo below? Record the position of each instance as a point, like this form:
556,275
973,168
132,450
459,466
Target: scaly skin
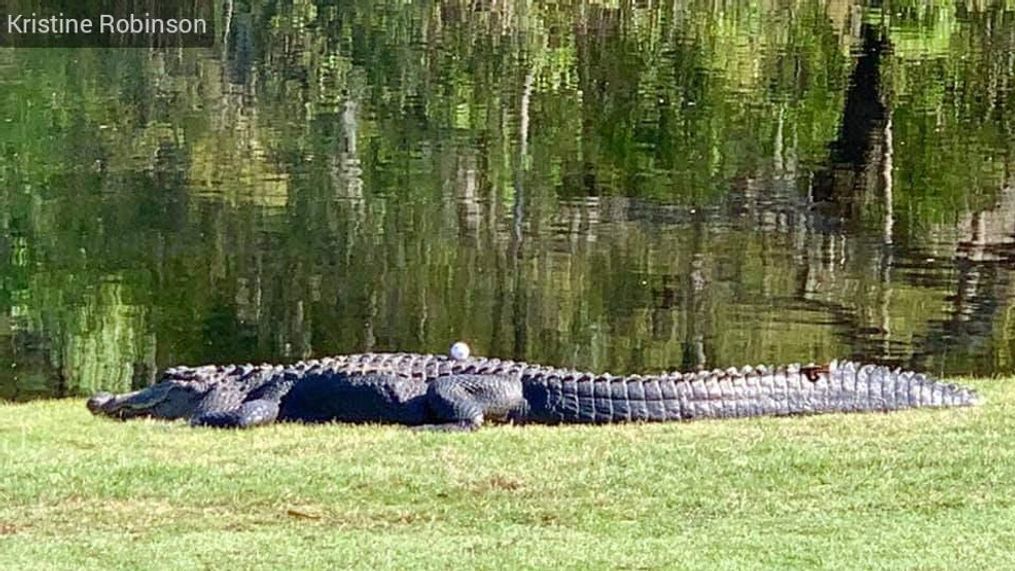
761,391
433,391
189,392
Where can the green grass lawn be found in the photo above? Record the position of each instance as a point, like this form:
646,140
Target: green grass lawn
931,489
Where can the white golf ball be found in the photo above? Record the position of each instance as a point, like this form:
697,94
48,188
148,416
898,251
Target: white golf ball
460,351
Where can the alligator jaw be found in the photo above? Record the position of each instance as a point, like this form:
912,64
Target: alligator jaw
107,404
144,402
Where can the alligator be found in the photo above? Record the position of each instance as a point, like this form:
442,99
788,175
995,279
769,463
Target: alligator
430,391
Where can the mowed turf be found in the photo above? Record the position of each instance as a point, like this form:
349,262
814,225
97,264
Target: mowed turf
931,489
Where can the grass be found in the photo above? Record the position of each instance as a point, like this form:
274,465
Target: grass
932,489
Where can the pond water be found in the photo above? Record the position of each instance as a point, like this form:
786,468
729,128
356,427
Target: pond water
627,186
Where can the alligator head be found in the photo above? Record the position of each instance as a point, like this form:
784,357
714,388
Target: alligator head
164,400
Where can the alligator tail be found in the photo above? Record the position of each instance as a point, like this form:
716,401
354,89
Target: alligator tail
748,392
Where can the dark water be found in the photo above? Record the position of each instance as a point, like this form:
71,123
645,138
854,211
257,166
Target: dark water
626,186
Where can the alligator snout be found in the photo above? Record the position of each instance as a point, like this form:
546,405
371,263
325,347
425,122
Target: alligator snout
99,402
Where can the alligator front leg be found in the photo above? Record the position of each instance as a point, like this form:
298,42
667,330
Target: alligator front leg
252,413
465,402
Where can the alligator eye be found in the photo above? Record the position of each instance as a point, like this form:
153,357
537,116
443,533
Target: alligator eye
814,372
